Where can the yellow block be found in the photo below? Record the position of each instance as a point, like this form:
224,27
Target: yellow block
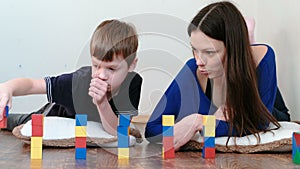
123,153
168,120
123,162
209,131
36,163
36,153
209,120
80,131
163,153
36,142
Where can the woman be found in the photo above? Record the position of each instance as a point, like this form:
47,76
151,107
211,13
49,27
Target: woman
227,77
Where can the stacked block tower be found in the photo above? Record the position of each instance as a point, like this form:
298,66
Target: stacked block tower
3,122
80,136
296,147
37,128
123,136
208,133
168,150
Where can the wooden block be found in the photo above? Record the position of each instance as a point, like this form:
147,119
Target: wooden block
168,131
36,153
80,153
37,119
169,153
208,152
209,120
124,162
81,119
296,156
124,120
209,131
36,142
296,136
123,153
36,163
80,142
5,111
3,123
123,130
123,141
80,131
168,143
168,120
37,131
209,141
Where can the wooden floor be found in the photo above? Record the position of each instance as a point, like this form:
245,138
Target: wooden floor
16,154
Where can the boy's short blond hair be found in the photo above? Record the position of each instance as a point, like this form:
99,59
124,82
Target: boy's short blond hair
113,37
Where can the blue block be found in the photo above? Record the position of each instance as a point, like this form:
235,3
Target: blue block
123,141
295,148
124,119
80,153
209,142
6,111
123,130
123,136
81,119
168,131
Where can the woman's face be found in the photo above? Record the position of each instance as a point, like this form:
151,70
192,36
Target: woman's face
209,54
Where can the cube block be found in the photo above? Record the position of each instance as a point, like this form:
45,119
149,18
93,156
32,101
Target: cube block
36,153
80,142
80,131
168,143
123,153
208,152
80,153
209,120
37,131
124,120
168,131
81,119
209,131
37,119
168,120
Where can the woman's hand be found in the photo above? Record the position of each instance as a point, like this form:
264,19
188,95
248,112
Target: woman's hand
5,98
186,128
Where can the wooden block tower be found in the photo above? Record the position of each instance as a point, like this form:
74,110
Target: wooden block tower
3,122
296,147
80,136
123,136
168,150
37,127
208,133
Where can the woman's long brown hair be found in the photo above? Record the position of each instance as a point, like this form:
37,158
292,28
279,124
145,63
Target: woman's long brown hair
245,111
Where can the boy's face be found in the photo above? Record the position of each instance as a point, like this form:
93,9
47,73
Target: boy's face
112,72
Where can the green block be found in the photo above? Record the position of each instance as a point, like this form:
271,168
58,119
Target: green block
296,157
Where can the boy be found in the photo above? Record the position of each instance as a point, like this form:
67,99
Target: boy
100,90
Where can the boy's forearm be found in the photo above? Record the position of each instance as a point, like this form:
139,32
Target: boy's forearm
26,86
108,118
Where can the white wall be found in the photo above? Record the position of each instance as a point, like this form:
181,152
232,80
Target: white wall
39,38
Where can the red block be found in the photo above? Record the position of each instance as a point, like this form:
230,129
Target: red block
37,119
80,142
169,153
297,138
3,123
209,152
168,143
37,131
